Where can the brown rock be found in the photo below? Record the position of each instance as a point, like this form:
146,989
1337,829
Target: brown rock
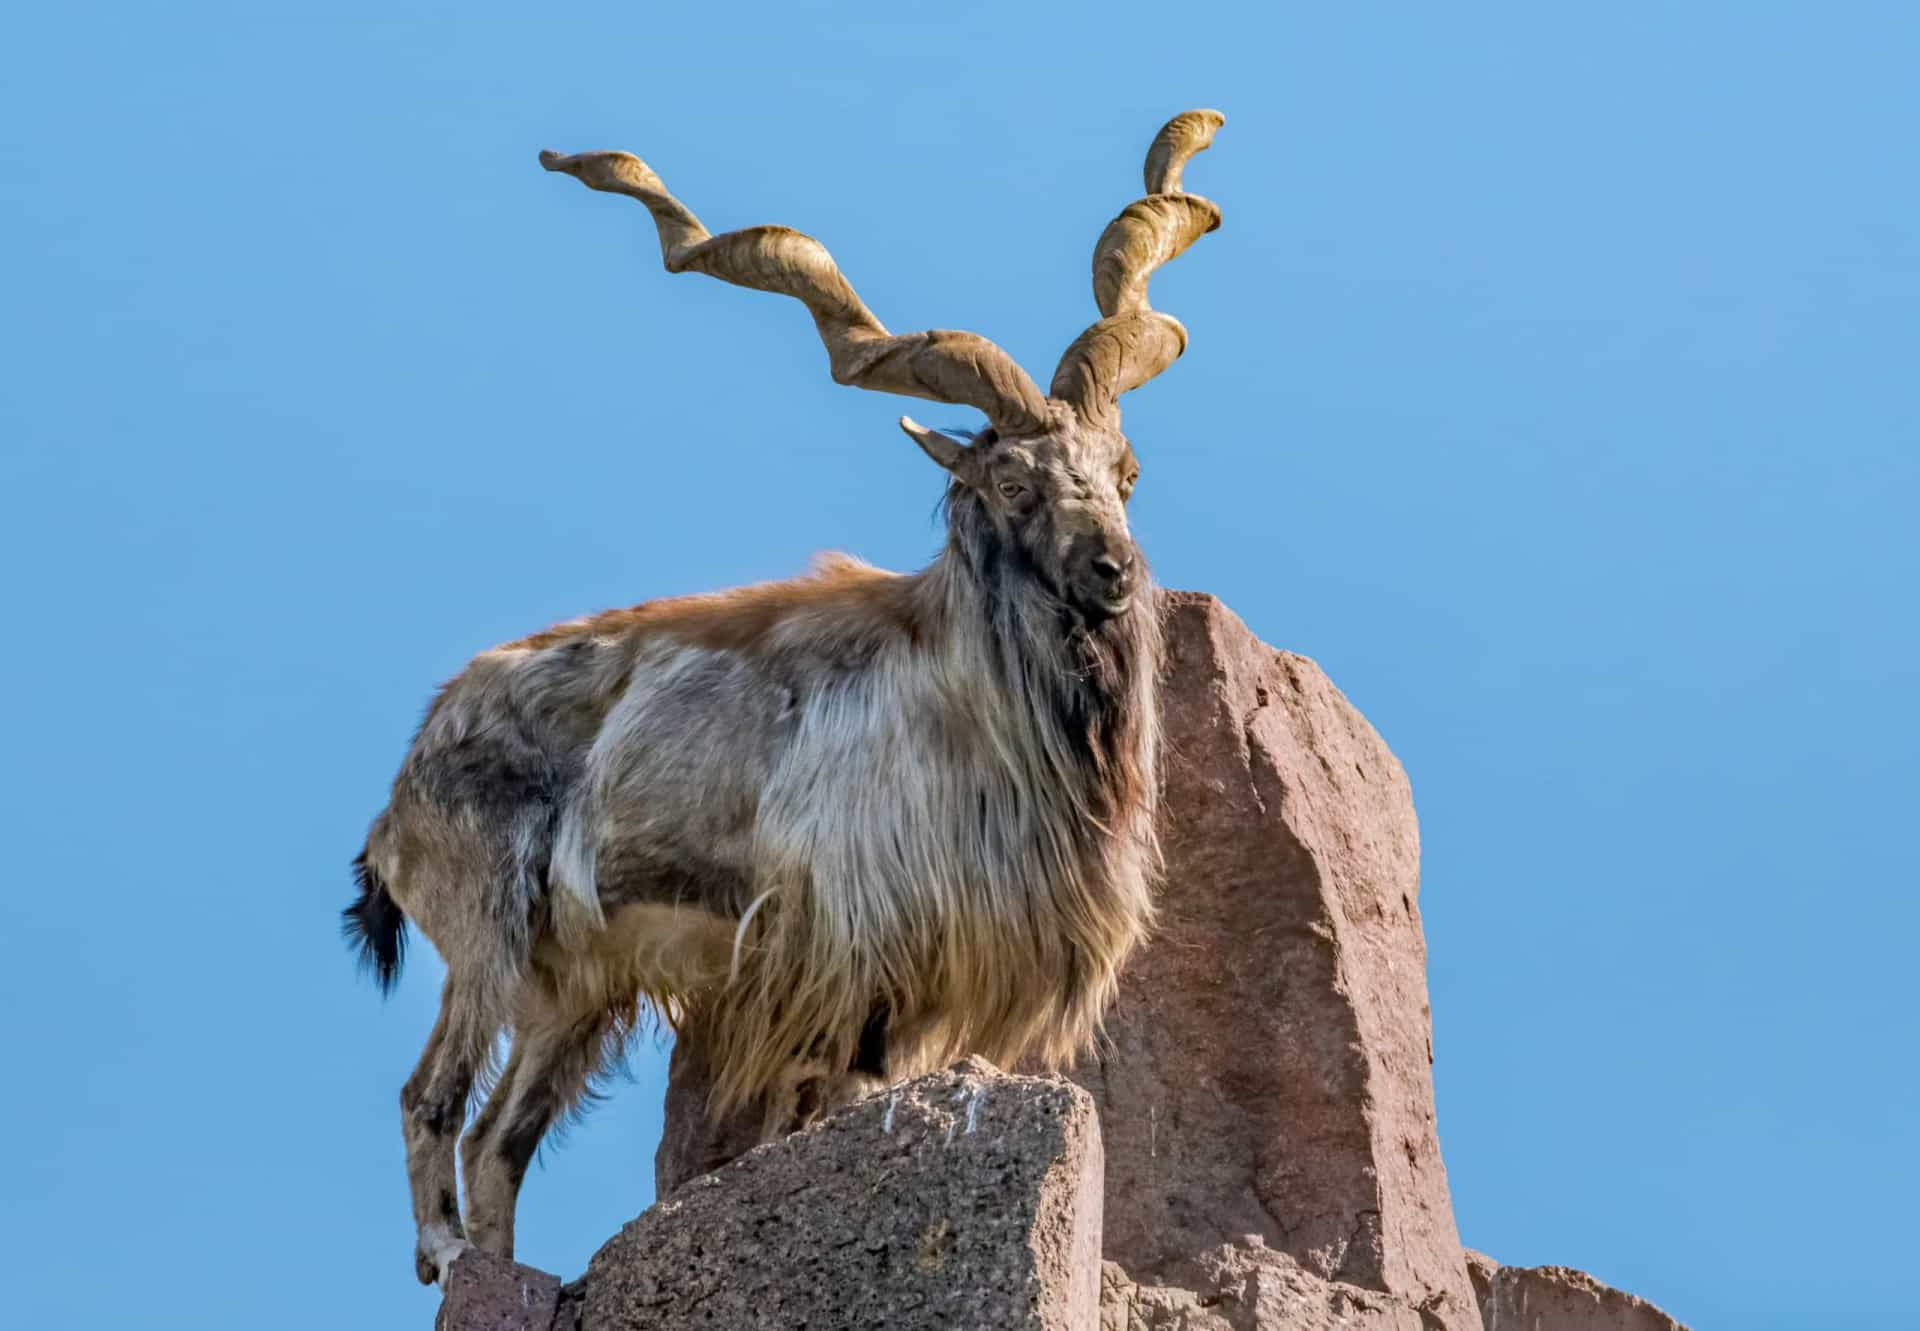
692,1143
1557,1298
961,1199
1267,1076
1480,1272
1251,1288
488,1293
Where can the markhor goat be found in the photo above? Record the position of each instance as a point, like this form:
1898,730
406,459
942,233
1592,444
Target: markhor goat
858,823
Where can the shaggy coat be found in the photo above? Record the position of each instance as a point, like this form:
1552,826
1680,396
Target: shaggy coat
855,824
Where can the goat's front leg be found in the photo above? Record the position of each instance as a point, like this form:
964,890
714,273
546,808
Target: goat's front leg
811,1089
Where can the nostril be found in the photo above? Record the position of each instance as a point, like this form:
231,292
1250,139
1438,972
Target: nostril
1113,563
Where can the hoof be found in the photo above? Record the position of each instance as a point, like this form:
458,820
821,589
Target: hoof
434,1256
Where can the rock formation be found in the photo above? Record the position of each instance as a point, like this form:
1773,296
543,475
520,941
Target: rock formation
1556,1298
1264,1096
1267,1079
959,1199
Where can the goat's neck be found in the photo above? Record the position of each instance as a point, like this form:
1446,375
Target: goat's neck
1081,695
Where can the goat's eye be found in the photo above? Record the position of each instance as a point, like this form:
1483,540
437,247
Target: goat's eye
1011,489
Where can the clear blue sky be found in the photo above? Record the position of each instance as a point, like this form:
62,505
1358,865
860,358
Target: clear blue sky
1552,384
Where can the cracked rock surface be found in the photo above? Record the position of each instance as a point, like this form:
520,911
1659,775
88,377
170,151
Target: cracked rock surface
488,1293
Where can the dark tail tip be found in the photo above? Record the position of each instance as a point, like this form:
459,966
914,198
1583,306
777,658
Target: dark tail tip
374,926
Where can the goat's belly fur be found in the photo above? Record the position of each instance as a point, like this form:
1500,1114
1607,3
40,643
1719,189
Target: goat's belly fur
658,954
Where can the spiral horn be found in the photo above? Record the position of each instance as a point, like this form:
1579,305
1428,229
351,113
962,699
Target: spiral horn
1132,342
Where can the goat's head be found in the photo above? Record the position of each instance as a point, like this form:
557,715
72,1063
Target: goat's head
1051,474
1052,503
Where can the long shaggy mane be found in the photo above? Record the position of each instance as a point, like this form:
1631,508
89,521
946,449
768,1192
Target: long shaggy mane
981,885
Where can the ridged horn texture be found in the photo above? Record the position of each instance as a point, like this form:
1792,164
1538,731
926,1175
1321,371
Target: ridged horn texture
940,365
1132,342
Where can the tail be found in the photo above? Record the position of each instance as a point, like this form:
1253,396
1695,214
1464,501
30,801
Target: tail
375,927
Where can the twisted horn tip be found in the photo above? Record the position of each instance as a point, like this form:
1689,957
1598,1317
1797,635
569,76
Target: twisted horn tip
613,172
1202,124
1180,138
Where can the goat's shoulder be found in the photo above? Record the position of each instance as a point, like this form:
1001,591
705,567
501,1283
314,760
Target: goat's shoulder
838,597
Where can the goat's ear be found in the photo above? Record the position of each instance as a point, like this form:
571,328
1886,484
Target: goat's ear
944,449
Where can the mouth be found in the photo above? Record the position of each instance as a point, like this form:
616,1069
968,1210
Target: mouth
1099,600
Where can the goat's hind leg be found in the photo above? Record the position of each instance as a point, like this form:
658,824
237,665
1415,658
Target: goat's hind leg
482,1230
433,1107
555,1057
